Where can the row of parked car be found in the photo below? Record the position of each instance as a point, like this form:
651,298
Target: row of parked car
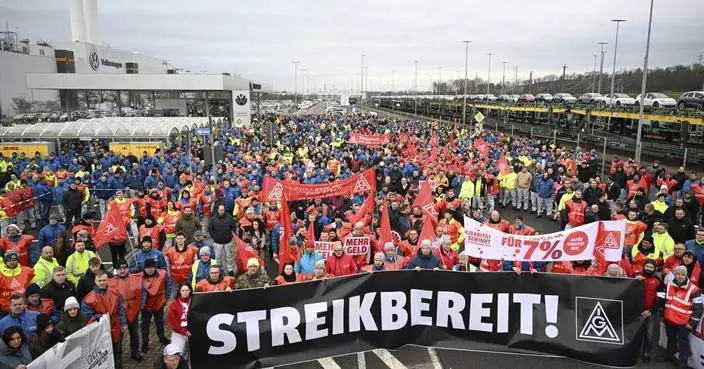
691,99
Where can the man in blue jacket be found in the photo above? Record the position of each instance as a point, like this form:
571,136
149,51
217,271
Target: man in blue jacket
544,188
20,317
306,264
697,245
50,232
147,252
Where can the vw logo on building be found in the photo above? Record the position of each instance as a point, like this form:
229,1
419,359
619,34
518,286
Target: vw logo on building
241,99
94,59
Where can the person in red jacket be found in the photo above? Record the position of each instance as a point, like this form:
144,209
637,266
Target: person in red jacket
131,288
497,223
519,228
444,253
574,209
215,281
177,317
675,260
651,284
15,240
157,285
340,263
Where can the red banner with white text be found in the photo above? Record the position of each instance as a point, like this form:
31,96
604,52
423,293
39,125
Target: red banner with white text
277,190
369,140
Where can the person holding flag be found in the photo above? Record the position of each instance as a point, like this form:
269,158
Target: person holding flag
113,232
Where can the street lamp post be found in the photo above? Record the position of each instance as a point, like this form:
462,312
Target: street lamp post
361,82
488,77
503,79
613,71
639,142
601,67
415,89
366,78
594,74
464,98
295,82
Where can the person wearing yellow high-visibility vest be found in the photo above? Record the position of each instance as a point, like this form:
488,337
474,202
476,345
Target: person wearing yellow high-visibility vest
509,183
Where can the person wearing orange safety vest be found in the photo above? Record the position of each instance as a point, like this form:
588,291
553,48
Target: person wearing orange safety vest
104,300
215,281
168,221
497,223
131,288
14,279
519,228
682,313
154,230
157,285
180,259
127,211
573,213
454,229
635,230
20,243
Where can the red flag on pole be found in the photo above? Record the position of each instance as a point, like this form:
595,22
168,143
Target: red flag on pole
310,237
427,232
244,253
385,230
285,254
111,229
425,201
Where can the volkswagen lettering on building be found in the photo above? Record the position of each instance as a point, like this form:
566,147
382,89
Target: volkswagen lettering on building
94,59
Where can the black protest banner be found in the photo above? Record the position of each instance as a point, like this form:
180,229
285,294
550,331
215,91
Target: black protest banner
592,319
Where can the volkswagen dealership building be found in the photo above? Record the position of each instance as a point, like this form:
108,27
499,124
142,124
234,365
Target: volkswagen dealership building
58,72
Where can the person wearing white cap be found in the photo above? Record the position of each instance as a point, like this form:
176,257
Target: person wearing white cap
682,313
378,264
255,277
201,267
71,318
171,359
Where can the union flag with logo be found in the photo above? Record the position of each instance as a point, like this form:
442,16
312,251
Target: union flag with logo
111,229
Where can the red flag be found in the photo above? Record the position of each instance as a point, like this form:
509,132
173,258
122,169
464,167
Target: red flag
244,253
503,166
285,254
425,201
111,229
385,230
365,211
310,237
482,147
427,232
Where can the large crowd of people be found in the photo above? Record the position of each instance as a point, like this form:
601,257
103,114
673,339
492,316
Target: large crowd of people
199,227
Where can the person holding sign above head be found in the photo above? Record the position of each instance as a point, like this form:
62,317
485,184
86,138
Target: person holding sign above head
340,263
378,264
424,259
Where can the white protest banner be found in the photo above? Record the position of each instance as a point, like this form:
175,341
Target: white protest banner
357,245
580,243
88,348
324,248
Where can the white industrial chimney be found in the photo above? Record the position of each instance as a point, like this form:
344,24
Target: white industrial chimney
90,12
78,26
84,21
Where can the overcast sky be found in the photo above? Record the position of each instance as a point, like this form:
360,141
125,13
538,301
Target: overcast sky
260,39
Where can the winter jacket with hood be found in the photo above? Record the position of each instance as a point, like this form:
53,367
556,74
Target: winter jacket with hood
424,261
10,358
67,325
